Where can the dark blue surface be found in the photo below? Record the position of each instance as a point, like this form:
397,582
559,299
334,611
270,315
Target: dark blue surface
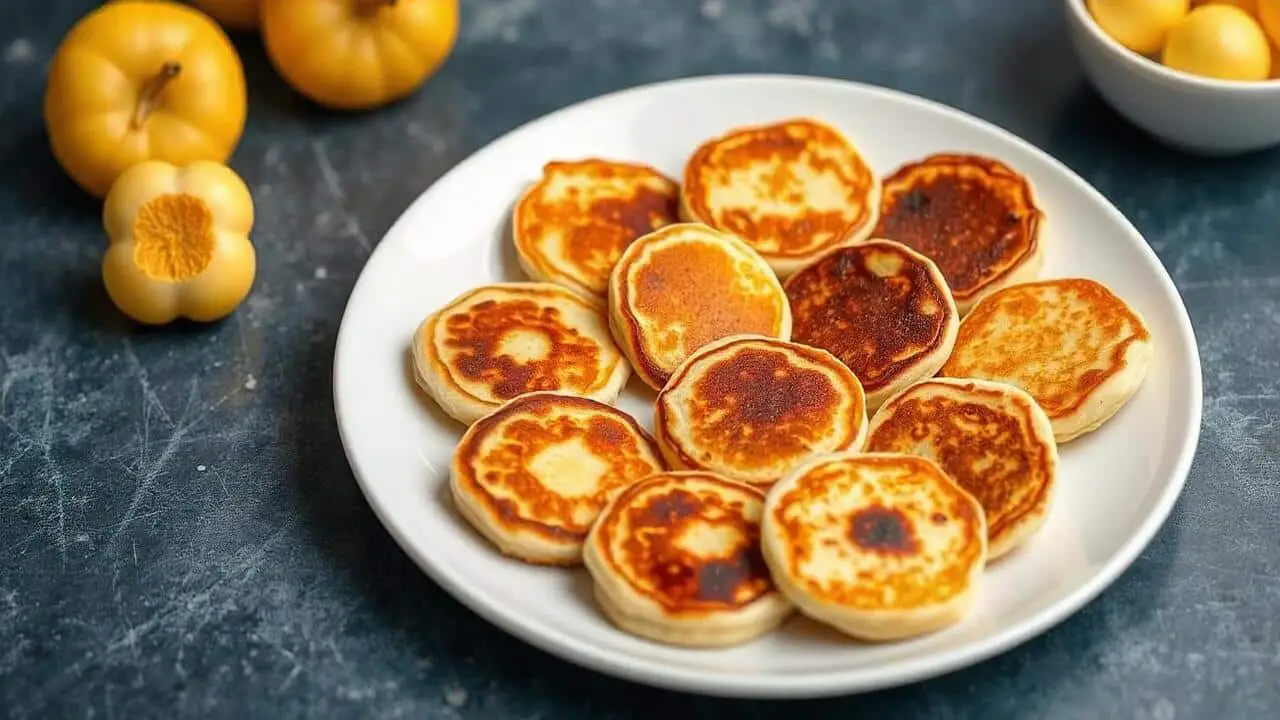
182,535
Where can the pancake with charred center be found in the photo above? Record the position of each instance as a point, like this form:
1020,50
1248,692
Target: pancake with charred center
685,285
752,408
791,189
676,558
991,438
533,476
571,226
880,546
495,342
1079,349
880,307
974,216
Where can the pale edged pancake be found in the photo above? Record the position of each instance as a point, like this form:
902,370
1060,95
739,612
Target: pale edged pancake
532,476
496,342
752,408
1078,348
791,189
880,307
880,546
571,225
991,438
685,285
974,216
675,558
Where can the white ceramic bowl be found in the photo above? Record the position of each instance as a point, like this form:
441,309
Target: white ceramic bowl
1197,114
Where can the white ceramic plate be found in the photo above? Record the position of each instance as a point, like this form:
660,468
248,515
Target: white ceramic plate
1117,486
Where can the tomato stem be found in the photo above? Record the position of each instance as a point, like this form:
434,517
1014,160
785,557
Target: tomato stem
150,93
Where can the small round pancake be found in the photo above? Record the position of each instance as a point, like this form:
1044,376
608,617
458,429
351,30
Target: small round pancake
676,558
991,438
533,475
571,226
685,285
1076,347
879,546
496,342
791,189
880,307
752,408
974,216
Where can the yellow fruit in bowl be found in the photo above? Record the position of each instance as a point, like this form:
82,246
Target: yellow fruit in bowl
1140,25
1268,13
1220,42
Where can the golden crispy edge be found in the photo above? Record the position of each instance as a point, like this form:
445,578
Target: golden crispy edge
622,319
675,452
784,265
496,525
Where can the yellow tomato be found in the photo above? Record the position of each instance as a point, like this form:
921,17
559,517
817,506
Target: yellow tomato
356,54
1139,25
179,241
233,14
1269,16
139,80
1219,41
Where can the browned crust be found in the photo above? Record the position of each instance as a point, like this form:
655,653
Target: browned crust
505,514
921,204
606,228
904,412
693,586
631,336
813,355
827,294
953,577
787,138
999,365
446,372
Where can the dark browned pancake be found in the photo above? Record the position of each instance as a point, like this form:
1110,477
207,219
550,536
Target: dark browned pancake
533,476
973,215
752,408
881,308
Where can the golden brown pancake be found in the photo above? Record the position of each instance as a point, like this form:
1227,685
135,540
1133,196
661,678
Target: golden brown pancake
1079,349
676,558
973,215
571,226
880,307
752,408
878,546
685,285
791,189
991,438
499,341
533,475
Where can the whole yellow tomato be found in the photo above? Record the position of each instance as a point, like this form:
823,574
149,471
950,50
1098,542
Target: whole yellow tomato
357,54
1221,42
137,80
233,14
1139,25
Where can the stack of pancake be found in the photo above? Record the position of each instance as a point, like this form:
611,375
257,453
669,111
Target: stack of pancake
859,384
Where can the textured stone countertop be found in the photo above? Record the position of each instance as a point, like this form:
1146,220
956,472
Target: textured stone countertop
182,536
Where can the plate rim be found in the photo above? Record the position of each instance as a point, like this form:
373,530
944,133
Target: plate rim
825,684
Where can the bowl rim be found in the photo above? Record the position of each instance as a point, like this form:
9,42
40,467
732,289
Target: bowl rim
1157,71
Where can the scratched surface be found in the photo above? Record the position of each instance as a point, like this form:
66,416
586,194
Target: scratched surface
181,536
